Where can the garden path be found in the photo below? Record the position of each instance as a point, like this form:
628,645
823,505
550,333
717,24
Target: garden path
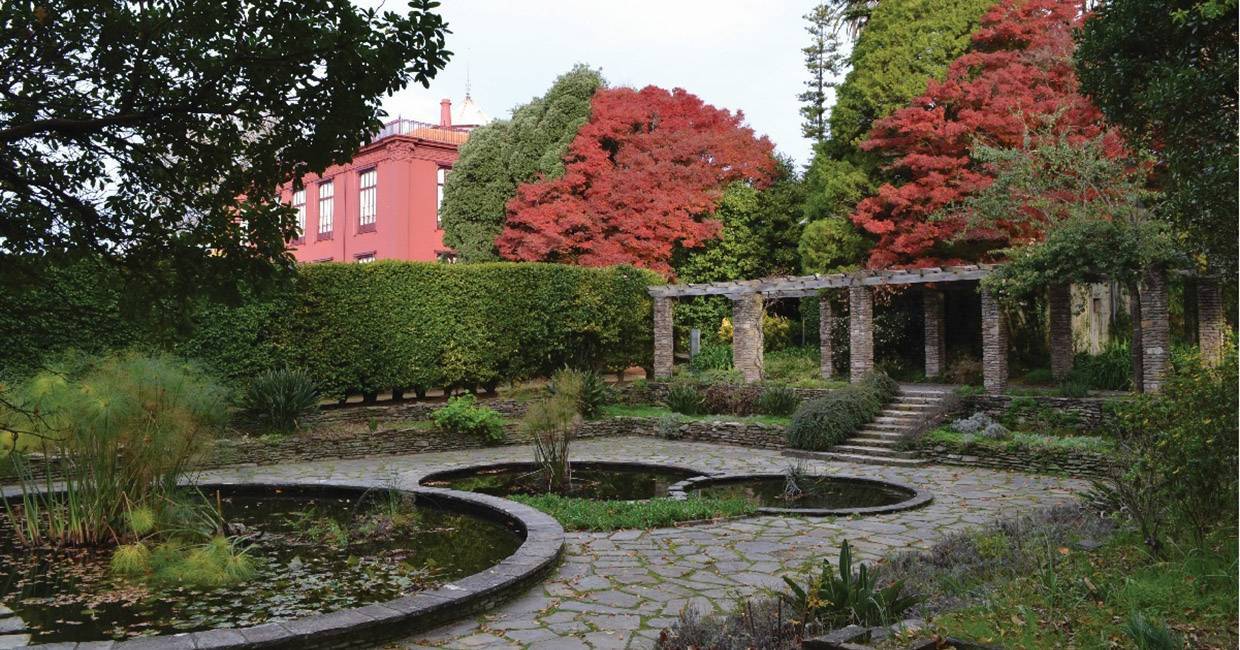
619,589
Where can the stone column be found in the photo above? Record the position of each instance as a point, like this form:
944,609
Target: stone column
932,305
825,319
747,312
663,338
1210,323
1059,298
994,345
1134,314
860,332
1155,329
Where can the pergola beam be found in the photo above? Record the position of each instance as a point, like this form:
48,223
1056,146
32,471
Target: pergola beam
809,285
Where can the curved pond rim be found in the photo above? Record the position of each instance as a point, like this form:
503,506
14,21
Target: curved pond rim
467,470
917,499
379,622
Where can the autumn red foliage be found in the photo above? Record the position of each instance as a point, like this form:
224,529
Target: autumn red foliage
1016,83
641,178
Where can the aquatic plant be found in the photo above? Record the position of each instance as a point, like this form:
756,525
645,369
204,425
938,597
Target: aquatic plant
123,429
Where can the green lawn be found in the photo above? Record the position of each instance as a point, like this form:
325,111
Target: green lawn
575,513
1084,599
1018,440
653,411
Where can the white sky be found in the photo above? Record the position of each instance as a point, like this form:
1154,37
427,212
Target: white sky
734,54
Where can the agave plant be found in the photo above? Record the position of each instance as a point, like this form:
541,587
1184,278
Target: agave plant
839,598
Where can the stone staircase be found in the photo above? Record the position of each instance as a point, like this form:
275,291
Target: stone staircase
877,443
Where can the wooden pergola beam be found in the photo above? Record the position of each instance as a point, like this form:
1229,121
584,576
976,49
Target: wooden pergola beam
809,285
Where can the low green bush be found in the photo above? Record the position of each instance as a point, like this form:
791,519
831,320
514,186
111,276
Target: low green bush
686,398
822,423
463,415
717,356
278,400
778,400
1109,370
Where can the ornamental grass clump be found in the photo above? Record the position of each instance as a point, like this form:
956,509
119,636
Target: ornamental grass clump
279,400
125,428
551,422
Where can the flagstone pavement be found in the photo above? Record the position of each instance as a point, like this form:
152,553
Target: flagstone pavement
619,589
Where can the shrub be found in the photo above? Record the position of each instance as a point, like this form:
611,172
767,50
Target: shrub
278,400
586,388
712,357
1109,370
778,400
821,423
764,623
840,597
1073,387
728,399
1181,451
884,387
684,397
965,369
462,415
1038,377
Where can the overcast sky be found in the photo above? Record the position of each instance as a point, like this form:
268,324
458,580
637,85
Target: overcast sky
735,54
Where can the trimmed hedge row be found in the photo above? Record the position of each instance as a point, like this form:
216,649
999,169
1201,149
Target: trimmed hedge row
822,423
366,328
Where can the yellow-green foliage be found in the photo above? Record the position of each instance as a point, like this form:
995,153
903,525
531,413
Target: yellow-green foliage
358,328
215,563
127,425
140,520
131,559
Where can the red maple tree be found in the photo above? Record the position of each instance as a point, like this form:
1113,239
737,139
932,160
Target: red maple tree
1015,84
641,178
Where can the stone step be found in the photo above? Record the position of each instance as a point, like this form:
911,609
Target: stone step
857,458
868,450
875,439
938,393
910,409
897,419
890,427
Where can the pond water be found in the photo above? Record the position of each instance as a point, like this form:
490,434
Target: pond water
315,554
816,492
604,481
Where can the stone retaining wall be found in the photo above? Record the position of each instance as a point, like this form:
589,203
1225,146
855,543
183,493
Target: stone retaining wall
653,392
413,410
1089,411
1070,462
747,434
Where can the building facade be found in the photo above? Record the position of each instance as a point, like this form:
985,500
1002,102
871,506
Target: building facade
383,204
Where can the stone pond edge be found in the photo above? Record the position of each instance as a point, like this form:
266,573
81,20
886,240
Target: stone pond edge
364,626
920,498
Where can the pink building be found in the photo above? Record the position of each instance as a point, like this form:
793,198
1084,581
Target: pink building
384,204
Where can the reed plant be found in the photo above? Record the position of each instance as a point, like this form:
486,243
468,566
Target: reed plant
122,429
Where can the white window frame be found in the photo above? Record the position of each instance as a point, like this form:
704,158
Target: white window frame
299,206
327,207
441,178
365,258
367,198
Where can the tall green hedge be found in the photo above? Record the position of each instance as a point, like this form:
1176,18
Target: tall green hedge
364,328
361,328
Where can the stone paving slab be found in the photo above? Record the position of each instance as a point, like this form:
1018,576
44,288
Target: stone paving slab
617,590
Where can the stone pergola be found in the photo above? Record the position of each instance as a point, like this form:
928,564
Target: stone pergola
1151,334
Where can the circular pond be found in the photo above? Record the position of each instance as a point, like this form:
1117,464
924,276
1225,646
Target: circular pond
315,550
806,495
590,480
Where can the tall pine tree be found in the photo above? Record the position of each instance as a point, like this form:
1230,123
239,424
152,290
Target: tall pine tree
822,62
